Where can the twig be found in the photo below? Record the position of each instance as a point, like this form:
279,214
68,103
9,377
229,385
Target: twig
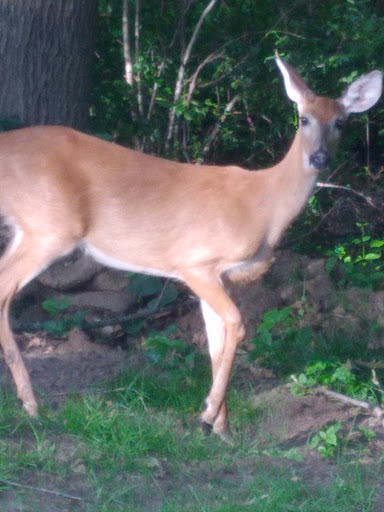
376,382
126,45
290,34
344,398
161,295
338,169
368,199
41,489
218,124
193,80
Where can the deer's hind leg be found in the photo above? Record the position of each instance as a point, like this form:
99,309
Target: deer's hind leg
24,256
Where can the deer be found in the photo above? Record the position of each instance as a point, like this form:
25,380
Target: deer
206,226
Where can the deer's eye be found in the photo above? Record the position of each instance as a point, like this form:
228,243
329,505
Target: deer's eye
339,124
304,121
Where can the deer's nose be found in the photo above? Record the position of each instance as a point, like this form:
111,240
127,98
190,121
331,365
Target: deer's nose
320,159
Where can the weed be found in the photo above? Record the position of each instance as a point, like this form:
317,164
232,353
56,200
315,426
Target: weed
277,338
168,351
326,441
368,433
336,375
60,324
153,289
361,259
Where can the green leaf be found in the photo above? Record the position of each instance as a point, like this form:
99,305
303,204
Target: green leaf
330,263
265,339
314,442
331,435
145,286
372,256
302,379
167,297
376,243
54,307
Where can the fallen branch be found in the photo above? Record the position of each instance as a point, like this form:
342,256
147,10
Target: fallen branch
375,410
112,320
349,400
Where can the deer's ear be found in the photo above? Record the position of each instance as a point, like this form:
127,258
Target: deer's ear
363,93
297,90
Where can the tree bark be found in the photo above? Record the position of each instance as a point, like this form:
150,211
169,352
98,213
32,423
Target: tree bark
45,60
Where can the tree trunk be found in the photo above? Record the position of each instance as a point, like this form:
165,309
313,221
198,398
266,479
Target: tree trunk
45,61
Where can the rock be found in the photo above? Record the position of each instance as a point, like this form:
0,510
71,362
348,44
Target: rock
253,300
70,272
321,291
316,268
284,269
110,279
370,303
77,341
339,319
109,301
319,287
378,307
290,293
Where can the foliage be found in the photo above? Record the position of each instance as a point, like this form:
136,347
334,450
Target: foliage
361,258
10,123
287,345
61,323
169,352
231,57
326,441
277,338
338,376
157,292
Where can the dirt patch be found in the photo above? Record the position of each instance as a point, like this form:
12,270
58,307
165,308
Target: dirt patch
58,367
292,419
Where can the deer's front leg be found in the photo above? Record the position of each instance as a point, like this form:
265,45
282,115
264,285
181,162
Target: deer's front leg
225,330
216,335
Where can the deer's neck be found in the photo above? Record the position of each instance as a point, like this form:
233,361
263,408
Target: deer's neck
294,181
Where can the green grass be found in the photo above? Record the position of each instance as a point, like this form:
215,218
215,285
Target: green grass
164,470
137,447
